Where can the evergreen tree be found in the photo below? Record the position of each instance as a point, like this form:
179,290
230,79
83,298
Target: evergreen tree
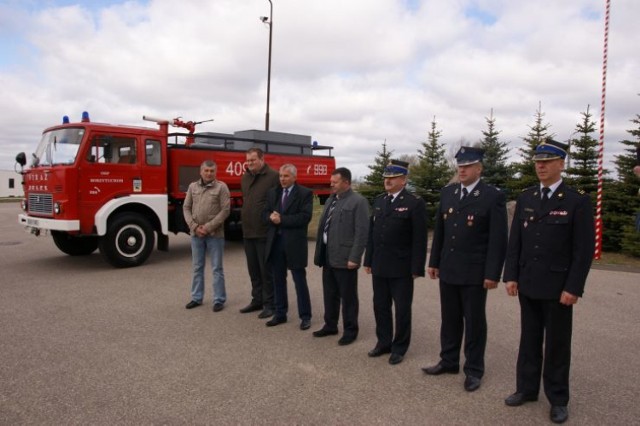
621,201
525,171
374,182
432,171
582,173
496,171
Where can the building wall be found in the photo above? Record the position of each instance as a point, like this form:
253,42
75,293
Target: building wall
10,184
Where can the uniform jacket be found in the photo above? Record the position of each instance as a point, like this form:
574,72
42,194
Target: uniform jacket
254,195
397,243
207,205
551,248
470,236
294,220
347,235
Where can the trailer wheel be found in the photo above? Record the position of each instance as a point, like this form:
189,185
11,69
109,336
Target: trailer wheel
74,245
128,241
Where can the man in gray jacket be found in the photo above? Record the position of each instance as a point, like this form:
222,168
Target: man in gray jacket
341,240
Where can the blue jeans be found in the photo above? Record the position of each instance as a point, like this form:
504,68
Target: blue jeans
212,247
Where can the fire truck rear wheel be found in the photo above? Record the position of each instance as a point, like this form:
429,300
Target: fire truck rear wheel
128,242
73,245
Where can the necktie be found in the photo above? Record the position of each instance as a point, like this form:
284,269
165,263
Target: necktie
465,192
327,221
545,195
285,197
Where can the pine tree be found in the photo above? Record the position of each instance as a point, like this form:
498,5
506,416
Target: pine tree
496,171
432,171
525,170
582,173
621,201
374,182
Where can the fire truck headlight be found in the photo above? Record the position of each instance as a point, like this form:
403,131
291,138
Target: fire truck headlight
24,205
57,208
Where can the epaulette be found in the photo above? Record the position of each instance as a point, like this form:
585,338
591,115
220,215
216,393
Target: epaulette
576,190
384,194
530,188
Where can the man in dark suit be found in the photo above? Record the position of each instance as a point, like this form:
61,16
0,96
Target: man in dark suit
288,212
549,255
340,242
467,254
396,254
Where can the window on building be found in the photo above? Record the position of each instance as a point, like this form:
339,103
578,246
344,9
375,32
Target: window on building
12,183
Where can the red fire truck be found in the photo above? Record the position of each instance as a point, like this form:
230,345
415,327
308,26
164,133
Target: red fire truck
117,188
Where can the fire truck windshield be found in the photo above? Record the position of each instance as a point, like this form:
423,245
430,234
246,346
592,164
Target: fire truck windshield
58,147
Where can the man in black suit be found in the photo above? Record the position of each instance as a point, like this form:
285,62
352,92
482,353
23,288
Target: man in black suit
288,212
396,254
550,250
467,254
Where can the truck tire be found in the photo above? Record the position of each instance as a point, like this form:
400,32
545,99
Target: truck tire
128,242
74,245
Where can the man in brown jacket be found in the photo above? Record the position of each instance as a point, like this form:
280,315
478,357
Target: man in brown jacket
205,209
257,180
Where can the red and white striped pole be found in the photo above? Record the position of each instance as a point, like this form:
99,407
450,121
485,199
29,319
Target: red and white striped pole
598,246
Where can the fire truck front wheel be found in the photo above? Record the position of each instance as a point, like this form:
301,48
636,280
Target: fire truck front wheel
73,245
128,241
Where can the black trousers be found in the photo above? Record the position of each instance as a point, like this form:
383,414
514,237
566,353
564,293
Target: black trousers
548,322
388,292
462,310
259,272
340,285
278,262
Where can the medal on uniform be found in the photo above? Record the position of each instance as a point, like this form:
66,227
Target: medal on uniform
476,192
470,220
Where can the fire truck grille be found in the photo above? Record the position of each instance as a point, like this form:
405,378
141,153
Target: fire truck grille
41,203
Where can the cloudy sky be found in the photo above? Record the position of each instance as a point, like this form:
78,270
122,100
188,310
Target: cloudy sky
350,73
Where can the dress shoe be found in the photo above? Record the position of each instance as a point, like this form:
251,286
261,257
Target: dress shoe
266,313
276,321
471,383
346,340
250,308
439,369
193,304
395,359
323,332
559,413
378,351
217,307
519,398
305,324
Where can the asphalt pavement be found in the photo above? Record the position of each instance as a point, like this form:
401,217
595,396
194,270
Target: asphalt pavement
84,343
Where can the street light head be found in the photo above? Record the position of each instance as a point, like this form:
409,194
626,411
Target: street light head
264,19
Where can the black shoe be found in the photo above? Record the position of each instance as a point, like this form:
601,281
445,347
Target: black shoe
305,324
519,398
439,369
250,308
377,351
193,304
323,332
559,413
346,340
266,313
217,307
471,383
395,359
276,321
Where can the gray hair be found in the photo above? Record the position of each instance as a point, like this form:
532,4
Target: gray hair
291,168
208,163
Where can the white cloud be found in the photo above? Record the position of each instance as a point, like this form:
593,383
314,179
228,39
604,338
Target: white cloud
350,73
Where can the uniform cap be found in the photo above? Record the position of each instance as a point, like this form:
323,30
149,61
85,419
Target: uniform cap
469,155
396,168
550,150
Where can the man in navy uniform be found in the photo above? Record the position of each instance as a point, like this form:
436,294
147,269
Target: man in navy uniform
288,212
396,255
467,254
548,259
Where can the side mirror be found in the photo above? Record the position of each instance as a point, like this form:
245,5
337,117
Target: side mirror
21,159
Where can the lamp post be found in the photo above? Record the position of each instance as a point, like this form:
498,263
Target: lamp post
268,21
